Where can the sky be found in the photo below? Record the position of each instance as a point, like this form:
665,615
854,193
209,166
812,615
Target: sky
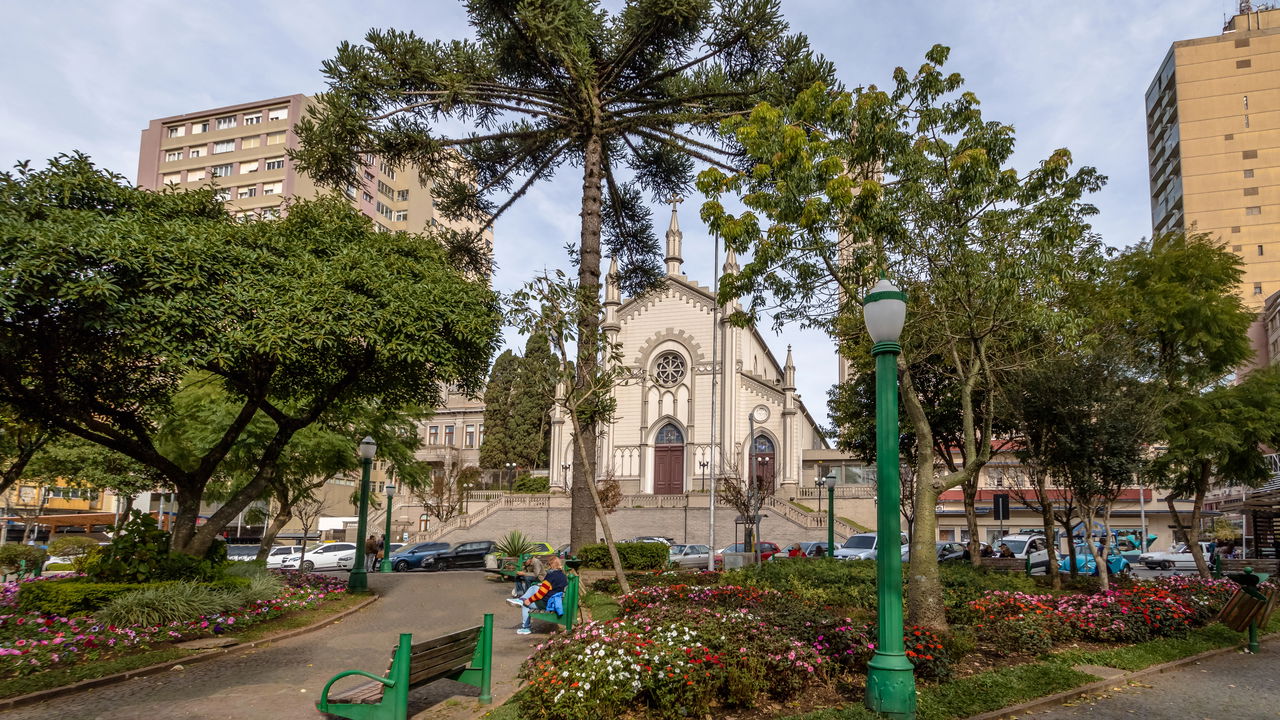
89,76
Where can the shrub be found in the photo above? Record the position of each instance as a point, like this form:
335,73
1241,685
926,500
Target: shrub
259,588
69,598
71,546
528,484
139,553
14,555
514,544
165,603
634,556
638,580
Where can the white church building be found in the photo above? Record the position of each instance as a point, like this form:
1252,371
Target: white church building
679,354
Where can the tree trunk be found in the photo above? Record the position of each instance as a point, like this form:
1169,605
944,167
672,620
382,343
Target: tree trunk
1098,551
970,489
278,521
1193,532
1072,565
582,513
925,606
1046,518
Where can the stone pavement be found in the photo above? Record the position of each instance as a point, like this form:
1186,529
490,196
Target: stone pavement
1232,686
281,681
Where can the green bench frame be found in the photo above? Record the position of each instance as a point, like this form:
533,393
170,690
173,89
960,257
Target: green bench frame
413,666
570,607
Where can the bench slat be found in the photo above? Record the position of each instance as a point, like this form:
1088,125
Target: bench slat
367,693
471,634
416,659
429,667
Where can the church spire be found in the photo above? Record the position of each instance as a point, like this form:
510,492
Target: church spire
612,293
789,372
674,237
730,262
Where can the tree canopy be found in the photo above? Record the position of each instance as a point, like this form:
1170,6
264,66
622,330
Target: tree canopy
111,296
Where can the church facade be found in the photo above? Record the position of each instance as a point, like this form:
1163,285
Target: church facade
679,353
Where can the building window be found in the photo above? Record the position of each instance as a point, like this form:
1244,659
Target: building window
481,433
1251,191
1249,155
1242,64
1257,288
381,228
669,368
248,167
383,210
269,213
470,438
224,146
173,178
367,197
1248,173
433,435
1246,121
1229,136
173,155
198,128
402,196
195,152
275,138
386,190
350,192
1259,250
274,188
226,123
247,192
448,435
194,175
1246,102
278,114
424,523
387,170
250,142
401,216
275,164
1235,228
177,131
253,119
222,195
1255,210
222,170
1242,42
1237,248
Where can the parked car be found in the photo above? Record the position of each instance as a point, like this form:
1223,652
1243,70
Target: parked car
689,556
947,551
1024,545
1178,557
279,553
863,547
543,548
63,560
411,557
652,539
766,549
1085,564
330,556
807,548
243,553
465,554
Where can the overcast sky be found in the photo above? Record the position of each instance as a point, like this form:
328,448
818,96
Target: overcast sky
89,76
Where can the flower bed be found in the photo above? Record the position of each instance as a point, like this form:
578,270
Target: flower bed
31,642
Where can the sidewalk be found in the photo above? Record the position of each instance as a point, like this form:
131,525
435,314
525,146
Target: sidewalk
1231,686
282,681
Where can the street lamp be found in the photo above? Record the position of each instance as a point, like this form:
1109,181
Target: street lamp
830,485
704,465
511,474
386,537
891,683
359,581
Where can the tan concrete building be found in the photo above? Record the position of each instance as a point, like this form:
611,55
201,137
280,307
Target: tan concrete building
1213,130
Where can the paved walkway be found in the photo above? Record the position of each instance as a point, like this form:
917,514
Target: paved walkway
1233,686
282,681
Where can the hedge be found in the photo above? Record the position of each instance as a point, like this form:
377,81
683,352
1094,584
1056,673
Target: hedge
634,556
71,597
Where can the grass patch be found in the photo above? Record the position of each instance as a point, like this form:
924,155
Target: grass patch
61,677
852,523
293,621
601,605
506,711
801,505
1153,652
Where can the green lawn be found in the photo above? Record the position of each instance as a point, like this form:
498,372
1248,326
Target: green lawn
601,605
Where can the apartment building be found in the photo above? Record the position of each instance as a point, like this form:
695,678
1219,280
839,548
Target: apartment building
1213,131
241,150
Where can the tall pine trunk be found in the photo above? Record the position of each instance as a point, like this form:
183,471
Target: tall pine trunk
582,515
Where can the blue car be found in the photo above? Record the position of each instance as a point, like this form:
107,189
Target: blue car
411,557
1116,563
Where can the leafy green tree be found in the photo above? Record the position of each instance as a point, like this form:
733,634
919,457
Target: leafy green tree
553,83
531,413
20,441
499,401
913,182
112,296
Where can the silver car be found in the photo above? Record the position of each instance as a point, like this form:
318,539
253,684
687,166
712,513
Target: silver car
690,556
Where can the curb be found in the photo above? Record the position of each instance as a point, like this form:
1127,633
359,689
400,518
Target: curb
1057,699
91,683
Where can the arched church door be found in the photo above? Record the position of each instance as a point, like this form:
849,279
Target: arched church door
763,462
668,461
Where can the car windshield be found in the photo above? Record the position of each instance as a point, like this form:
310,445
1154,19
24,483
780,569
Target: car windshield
676,549
1015,545
861,542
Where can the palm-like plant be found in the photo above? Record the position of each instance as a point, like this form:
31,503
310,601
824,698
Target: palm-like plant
632,98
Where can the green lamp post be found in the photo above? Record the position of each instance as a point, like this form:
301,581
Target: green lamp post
359,581
386,537
891,685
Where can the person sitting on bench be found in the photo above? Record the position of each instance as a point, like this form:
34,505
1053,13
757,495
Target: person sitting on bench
551,590
532,573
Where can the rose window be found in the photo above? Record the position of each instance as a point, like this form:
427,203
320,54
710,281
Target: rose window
669,369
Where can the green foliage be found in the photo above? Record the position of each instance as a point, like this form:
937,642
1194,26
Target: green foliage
514,544
634,556
531,485
139,553
499,396
164,603
71,546
13,554
69,598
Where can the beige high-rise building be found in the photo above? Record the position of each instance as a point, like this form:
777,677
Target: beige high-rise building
241,148
1213,132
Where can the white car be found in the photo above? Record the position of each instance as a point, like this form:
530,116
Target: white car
1178,557
1024,545
690,556
331,556
280,553
863,547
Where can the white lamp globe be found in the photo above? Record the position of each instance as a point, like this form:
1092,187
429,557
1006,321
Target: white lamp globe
885,311
368,448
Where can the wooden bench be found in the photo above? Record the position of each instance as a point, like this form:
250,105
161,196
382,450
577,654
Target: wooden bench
465,656
570,607
1000,564
1261,566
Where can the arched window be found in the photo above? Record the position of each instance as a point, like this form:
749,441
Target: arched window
763,462
669,435
669,369
424,523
